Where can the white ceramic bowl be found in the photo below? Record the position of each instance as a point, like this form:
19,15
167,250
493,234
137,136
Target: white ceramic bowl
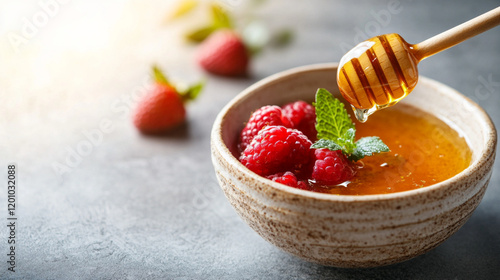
352,231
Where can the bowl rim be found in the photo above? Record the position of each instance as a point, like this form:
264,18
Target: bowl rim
487,124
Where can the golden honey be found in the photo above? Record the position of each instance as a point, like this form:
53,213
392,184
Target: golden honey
424,151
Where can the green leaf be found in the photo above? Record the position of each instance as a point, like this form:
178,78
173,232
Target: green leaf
332,119
336,130
368,146
186,94
282,38
220,17
345,144
200,34
159,77
220,20
183,8
347,141
193,91
326,144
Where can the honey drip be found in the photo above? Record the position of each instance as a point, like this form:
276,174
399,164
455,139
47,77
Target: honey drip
377,74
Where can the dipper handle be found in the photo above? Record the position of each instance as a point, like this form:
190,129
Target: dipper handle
457,34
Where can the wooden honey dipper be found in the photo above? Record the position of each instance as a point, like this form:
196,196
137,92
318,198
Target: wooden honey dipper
379,72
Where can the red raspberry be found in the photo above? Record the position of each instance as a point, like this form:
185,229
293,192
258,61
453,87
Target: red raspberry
302,117
331,167
267,115
277,149
289,179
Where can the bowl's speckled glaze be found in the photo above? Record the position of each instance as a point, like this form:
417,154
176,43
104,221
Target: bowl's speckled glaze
352,231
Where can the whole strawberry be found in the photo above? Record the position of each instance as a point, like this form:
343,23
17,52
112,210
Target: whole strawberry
163,107
277,149
224,53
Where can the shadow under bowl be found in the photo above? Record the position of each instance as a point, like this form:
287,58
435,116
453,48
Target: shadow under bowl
344,230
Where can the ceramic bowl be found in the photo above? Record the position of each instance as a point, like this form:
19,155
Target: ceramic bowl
343,230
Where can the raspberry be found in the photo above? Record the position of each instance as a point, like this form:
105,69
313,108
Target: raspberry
331,167
289,179
267,115
302,117
277,149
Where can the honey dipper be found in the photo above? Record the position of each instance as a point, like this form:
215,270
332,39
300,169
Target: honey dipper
379,72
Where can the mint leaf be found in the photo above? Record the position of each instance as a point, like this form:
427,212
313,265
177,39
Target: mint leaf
368,146
336,130
332,119
326,144
347,141
345,144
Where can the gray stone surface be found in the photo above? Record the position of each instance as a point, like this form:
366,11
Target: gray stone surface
136,207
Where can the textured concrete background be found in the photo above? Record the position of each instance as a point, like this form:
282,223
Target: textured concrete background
135,207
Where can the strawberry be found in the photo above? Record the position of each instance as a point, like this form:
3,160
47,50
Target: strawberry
224,53
163,107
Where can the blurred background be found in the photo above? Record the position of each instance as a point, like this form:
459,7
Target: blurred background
99,200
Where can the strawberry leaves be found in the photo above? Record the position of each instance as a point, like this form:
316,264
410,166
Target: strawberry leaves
187,93
220,20
159,77
184,7
192,91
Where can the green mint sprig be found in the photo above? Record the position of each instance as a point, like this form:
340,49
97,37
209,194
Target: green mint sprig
336,130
